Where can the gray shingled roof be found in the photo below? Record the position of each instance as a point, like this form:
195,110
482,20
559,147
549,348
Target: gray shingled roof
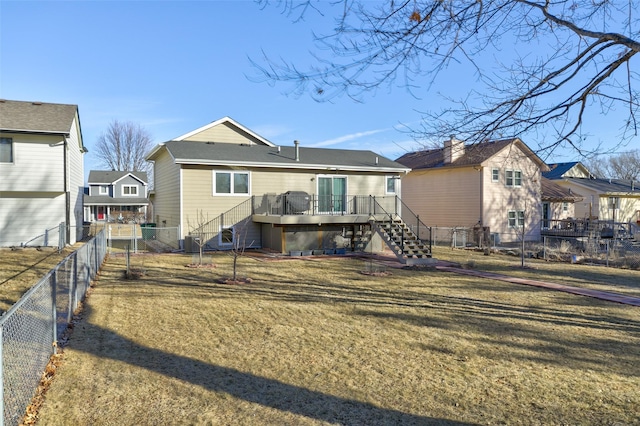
474,154
608,186
110,176
265,156
37,117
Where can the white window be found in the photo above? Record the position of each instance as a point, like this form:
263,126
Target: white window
495,175
129,190
230,183
565,207
103,190
513,178
517,178
516,218
391,184
6,150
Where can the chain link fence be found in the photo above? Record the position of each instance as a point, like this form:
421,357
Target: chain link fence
613,252
137,237
30,329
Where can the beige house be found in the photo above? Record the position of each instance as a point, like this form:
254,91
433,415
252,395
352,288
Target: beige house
494,187
224,184
558,204
603,199
42,174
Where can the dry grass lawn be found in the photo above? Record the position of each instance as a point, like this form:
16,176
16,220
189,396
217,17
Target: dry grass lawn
318,343
21,269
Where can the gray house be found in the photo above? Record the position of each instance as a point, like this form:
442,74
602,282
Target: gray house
115,196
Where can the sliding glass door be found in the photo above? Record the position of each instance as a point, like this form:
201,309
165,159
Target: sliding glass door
332,194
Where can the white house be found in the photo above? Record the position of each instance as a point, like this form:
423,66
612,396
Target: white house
41,170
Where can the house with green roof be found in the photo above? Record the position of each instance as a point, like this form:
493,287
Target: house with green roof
223,182
41,164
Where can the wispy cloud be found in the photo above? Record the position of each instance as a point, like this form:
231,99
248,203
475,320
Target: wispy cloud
346,138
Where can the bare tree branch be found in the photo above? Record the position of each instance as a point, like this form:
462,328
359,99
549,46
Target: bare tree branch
577,61
123,147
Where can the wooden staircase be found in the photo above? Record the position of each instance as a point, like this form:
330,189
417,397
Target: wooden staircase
405,244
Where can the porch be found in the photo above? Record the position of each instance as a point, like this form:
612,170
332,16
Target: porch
300,208
593,228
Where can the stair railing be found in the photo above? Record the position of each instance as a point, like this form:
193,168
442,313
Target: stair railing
408,217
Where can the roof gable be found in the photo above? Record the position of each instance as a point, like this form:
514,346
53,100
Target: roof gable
36,117
474,155
206,133
97,177
570,169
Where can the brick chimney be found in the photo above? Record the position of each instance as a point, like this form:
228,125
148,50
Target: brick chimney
453,149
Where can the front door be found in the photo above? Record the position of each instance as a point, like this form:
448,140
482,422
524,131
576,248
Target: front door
332,194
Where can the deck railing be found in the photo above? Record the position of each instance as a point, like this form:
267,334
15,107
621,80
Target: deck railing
577,228
298,203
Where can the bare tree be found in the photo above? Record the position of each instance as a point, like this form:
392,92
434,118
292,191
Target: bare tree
624,166
199,233
572,58
240,230
123,147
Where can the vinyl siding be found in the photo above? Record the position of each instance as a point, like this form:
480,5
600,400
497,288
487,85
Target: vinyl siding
224,133
76,180
24,216
467,196
499,199
37,166
626,211
447,197
200,205
127,180
166,201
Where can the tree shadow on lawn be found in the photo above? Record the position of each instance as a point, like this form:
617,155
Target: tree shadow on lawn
245,386
547,331
630,284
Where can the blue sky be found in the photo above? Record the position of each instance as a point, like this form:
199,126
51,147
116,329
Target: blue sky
175,66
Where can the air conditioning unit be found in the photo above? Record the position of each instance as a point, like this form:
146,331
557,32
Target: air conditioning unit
191,244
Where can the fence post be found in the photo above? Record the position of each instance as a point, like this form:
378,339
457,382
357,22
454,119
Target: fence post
72,286
54,278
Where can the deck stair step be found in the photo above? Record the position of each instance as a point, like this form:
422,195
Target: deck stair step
403,242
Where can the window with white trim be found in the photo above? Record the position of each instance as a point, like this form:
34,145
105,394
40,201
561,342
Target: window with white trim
129,190
513,178
516,218
103,190
391,184
6,150
495,175
230,183
565,207
226,237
